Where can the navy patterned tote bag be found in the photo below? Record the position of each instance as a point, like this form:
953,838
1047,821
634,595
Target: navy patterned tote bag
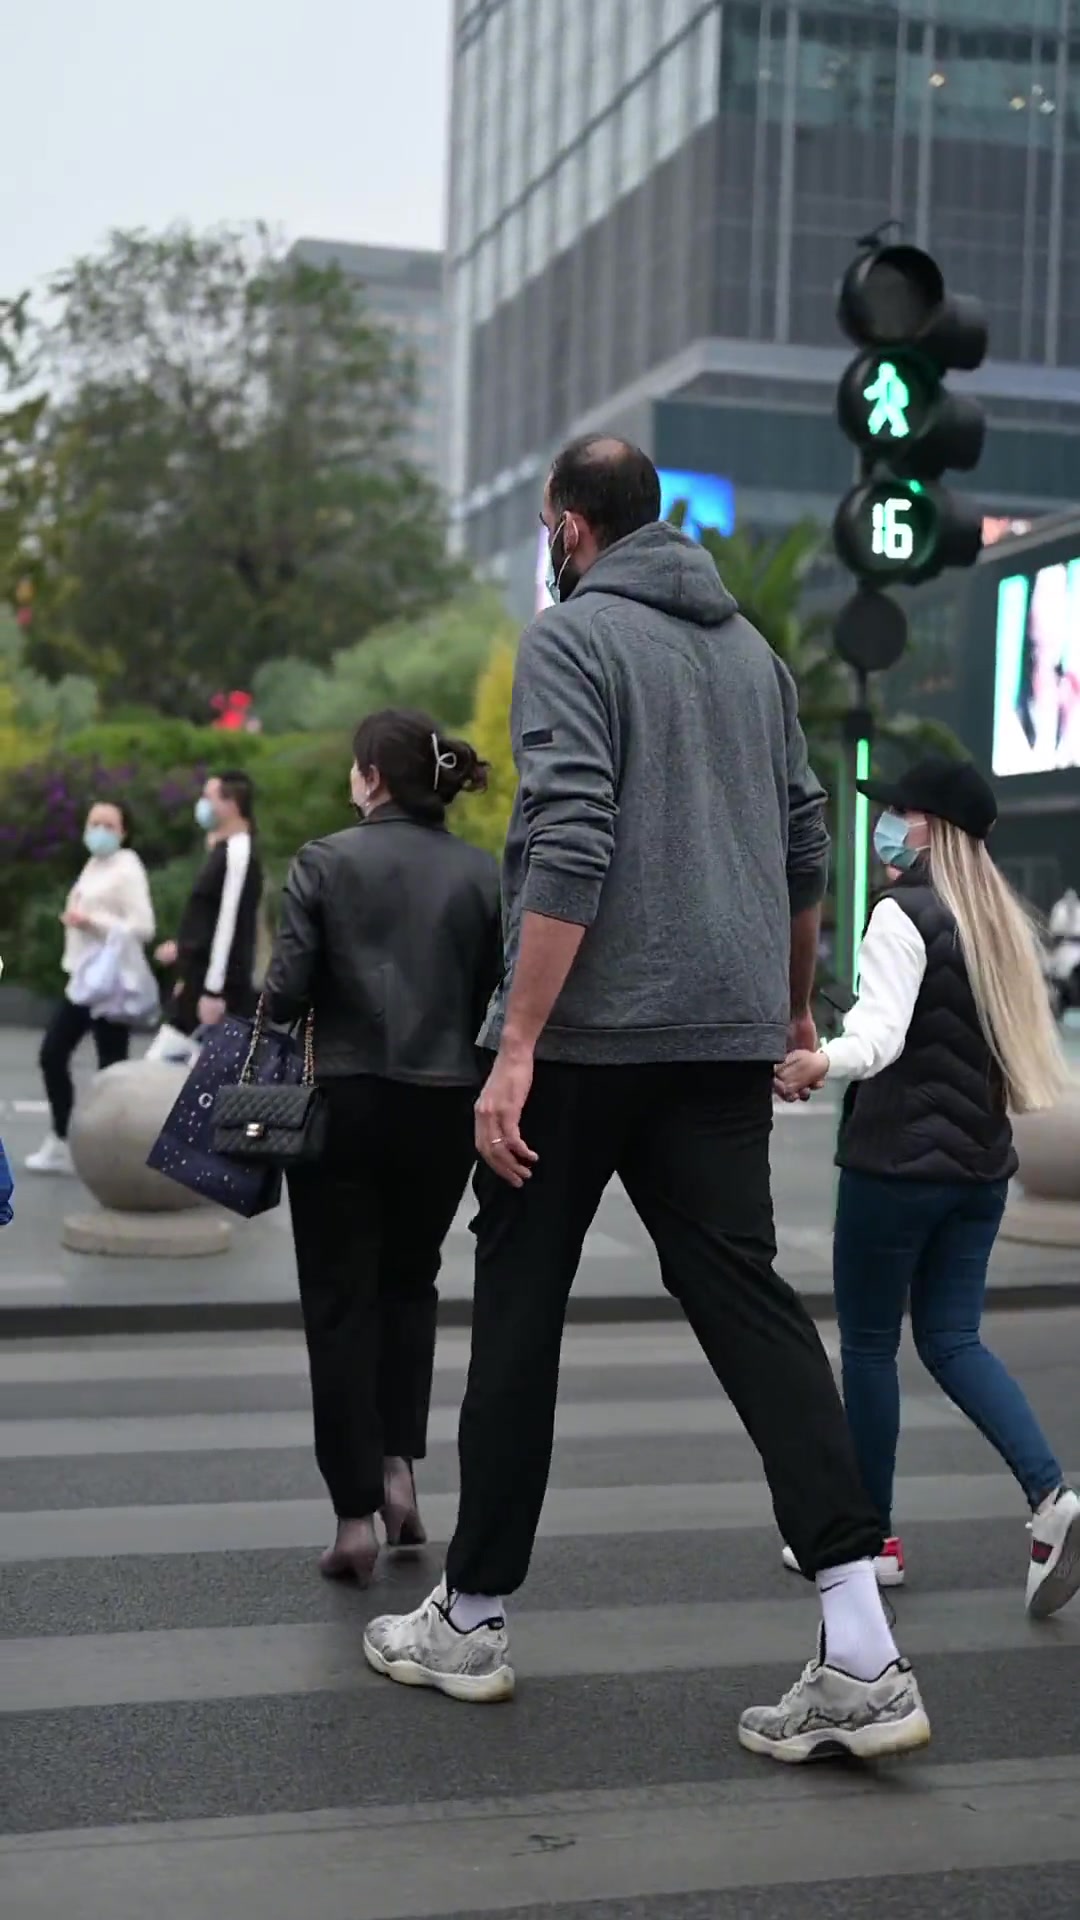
184,1149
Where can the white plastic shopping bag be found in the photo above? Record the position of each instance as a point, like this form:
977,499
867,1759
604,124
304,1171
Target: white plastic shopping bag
116,982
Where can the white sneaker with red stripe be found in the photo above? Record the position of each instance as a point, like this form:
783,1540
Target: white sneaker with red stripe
888,1564
1054,1568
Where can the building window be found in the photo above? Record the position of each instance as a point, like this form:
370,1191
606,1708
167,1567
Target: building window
567,201
635,155
705,55
606,67
673,102
599,169
639,26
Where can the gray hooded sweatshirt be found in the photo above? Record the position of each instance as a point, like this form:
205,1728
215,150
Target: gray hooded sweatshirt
666,804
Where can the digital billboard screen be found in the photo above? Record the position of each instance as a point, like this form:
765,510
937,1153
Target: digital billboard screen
1037,671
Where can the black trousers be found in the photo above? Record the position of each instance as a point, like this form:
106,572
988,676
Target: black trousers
67,1028
691,1144
369,1220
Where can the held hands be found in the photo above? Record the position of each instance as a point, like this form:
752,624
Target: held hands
498,1117
800,1074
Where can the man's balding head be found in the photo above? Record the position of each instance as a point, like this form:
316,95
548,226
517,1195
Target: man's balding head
608,483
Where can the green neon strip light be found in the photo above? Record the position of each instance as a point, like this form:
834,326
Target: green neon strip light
860,863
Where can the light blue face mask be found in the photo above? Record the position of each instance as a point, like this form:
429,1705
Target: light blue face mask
890,842
205,814
101,841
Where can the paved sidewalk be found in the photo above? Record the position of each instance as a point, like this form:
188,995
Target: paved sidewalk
44,1289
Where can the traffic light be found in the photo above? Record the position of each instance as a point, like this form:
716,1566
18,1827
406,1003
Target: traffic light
898,523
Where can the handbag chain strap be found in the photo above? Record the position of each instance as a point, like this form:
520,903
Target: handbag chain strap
258,1031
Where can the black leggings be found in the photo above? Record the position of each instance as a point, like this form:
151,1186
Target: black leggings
67,1028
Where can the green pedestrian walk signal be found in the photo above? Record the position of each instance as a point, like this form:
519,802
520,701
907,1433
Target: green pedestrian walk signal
889,398
898,521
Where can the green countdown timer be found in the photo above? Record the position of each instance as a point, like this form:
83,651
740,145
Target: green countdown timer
888,527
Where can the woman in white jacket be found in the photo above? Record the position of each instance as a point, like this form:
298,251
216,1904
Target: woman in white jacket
111,892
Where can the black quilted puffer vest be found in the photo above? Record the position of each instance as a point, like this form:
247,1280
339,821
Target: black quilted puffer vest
938,1113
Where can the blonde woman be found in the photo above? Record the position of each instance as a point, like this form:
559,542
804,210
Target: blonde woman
951,1030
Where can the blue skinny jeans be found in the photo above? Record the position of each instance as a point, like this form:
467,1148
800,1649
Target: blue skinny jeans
927,1243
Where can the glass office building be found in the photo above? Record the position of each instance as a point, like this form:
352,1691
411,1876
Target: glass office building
651,203
402,288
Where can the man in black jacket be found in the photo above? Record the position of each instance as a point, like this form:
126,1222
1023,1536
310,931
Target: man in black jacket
214,949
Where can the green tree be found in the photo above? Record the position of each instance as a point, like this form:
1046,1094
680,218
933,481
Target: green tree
483,818
433,661
41,708
21,410
226,476
770,577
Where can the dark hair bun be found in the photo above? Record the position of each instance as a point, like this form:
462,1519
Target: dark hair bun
460,768
422,768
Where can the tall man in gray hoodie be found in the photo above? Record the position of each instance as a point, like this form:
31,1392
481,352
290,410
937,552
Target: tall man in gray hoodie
662,882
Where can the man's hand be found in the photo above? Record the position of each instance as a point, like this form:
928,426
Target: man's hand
800,1073
211,1009
166,954
498,1117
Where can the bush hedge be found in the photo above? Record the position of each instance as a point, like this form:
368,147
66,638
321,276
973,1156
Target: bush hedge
156,768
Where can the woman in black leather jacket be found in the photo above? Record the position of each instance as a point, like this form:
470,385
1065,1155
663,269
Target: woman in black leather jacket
389,932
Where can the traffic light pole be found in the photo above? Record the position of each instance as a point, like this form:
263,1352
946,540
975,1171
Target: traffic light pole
852,834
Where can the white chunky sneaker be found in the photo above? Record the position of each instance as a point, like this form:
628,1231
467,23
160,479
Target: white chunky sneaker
888,1564
53,1156
828,1712
425,1649
1054,1568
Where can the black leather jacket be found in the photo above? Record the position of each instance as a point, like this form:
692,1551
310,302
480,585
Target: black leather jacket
390,932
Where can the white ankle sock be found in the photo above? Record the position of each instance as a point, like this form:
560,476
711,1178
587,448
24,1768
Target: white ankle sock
857,1636
468,1611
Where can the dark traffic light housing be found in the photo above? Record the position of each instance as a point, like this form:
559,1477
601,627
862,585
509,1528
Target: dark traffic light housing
898,523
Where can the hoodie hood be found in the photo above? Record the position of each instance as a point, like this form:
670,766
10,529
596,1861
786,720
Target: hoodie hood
662,568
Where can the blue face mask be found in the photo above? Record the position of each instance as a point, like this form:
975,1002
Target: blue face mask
101,841
205,814
890,842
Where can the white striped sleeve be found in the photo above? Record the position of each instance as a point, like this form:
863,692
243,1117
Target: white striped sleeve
237,861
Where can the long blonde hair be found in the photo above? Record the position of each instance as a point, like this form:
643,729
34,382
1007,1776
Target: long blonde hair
1001,952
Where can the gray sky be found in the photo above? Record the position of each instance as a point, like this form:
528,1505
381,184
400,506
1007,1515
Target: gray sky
322,117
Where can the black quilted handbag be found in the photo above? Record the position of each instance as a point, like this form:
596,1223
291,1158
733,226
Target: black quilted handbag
277,1125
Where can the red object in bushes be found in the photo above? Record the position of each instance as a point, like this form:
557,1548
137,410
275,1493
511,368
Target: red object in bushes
232,710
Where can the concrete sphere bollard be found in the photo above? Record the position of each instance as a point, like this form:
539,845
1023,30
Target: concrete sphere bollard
1046,1209
113,1128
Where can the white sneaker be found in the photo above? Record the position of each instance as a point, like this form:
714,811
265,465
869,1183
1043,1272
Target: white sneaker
53,1156
425,1649
888,1564
1054,1568
829,1712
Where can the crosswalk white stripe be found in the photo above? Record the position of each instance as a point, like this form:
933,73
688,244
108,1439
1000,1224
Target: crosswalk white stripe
443,1858
230,1663
569,1513
275,1431
283,1356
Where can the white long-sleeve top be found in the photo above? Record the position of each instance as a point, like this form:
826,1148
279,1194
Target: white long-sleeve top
237,862
112,891
892,962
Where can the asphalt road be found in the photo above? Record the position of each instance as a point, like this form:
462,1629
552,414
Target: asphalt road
189,1727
